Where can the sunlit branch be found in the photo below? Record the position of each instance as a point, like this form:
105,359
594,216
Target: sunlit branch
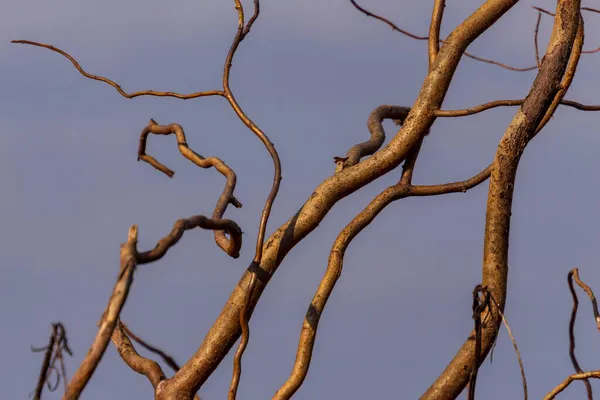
108,320
231,245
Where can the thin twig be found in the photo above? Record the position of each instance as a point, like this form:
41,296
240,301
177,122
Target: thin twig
590,294
142,365
45,365
514,343
167,359
588,386
116,85
535,38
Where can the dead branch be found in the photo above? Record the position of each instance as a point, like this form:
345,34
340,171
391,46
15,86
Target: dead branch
545,91
108,320
231,245
586,382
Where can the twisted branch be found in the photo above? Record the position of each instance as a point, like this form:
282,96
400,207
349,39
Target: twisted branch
586,382
231,245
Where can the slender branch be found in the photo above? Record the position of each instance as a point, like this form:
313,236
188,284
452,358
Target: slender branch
569,380
541,10
588,386
590,293
508,103
514,343
336,261
231,245
144,366
117,86
109,318
241,33
545,89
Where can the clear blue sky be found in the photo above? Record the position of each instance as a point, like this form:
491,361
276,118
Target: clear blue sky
309,74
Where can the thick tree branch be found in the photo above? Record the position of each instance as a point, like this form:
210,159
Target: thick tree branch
546,88
231,245
109,318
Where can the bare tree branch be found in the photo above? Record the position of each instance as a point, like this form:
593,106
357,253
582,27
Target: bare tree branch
109,318
231,245
590,293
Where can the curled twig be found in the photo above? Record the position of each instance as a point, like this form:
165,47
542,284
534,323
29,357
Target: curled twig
231,245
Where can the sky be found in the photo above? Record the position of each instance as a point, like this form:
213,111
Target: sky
308,74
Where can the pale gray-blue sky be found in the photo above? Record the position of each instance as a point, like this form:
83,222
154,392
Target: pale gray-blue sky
309,74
